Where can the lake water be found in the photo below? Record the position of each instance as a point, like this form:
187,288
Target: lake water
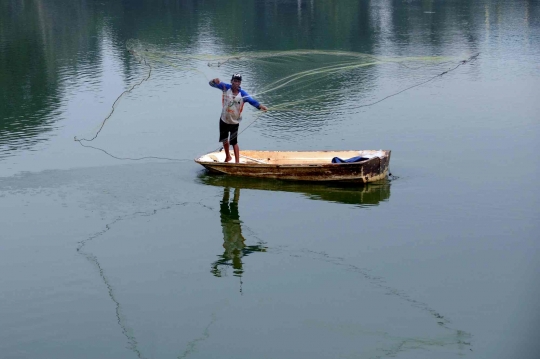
128,249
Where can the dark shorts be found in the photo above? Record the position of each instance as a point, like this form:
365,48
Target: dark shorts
225,129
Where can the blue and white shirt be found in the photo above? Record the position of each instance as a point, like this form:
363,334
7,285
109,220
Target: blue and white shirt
233,105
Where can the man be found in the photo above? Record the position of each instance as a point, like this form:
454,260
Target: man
231,115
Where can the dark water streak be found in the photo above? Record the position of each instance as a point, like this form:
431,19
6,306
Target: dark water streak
128,332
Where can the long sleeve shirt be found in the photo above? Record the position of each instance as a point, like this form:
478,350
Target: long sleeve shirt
233,105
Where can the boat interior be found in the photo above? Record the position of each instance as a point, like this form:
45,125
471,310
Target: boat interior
289,157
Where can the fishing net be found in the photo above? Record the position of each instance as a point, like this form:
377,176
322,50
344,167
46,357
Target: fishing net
299,87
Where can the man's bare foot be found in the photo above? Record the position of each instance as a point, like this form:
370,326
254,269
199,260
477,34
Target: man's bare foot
228,159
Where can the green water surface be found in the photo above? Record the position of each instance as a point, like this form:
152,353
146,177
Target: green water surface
155,258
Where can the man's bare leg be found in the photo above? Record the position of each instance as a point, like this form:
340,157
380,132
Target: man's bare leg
236,153
227,153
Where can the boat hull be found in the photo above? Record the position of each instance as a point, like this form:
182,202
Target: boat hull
371,170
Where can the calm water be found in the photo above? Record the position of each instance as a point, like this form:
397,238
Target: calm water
154,258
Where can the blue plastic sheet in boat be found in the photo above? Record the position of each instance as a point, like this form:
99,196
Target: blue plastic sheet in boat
349,160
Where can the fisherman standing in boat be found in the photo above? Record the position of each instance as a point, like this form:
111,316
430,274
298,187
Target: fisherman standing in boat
231,115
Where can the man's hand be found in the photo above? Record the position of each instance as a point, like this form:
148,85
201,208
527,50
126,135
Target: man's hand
216,81
263,108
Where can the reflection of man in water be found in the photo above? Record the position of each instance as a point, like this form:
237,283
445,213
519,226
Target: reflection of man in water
233,240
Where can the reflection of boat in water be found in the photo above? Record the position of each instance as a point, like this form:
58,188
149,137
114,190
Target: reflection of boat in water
235,248
316,166
366,195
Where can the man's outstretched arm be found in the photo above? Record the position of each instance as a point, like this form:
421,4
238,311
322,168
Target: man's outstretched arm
218,84
252,101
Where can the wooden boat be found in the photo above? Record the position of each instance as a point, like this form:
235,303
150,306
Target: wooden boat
302,165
